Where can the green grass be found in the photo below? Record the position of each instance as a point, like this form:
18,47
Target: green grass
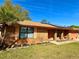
48,51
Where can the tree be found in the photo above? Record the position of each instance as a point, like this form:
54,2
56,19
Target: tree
74,26
10,14
44,21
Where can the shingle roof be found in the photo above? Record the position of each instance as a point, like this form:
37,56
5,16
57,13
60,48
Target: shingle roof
37,24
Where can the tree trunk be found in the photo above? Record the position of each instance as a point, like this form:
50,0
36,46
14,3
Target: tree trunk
3,37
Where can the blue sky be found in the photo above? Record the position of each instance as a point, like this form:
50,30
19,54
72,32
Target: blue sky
59,12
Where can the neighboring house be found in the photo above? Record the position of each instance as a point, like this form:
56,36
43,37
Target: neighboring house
28,32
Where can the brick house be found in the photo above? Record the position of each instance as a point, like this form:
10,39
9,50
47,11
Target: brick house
28,32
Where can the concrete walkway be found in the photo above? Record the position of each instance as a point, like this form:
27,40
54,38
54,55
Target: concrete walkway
64,42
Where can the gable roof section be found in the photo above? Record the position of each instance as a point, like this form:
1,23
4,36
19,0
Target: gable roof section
37,24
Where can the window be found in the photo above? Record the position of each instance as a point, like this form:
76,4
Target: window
30,32
26,32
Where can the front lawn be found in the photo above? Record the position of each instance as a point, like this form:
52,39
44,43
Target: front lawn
41,51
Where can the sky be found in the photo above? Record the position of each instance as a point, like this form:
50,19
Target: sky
58,12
